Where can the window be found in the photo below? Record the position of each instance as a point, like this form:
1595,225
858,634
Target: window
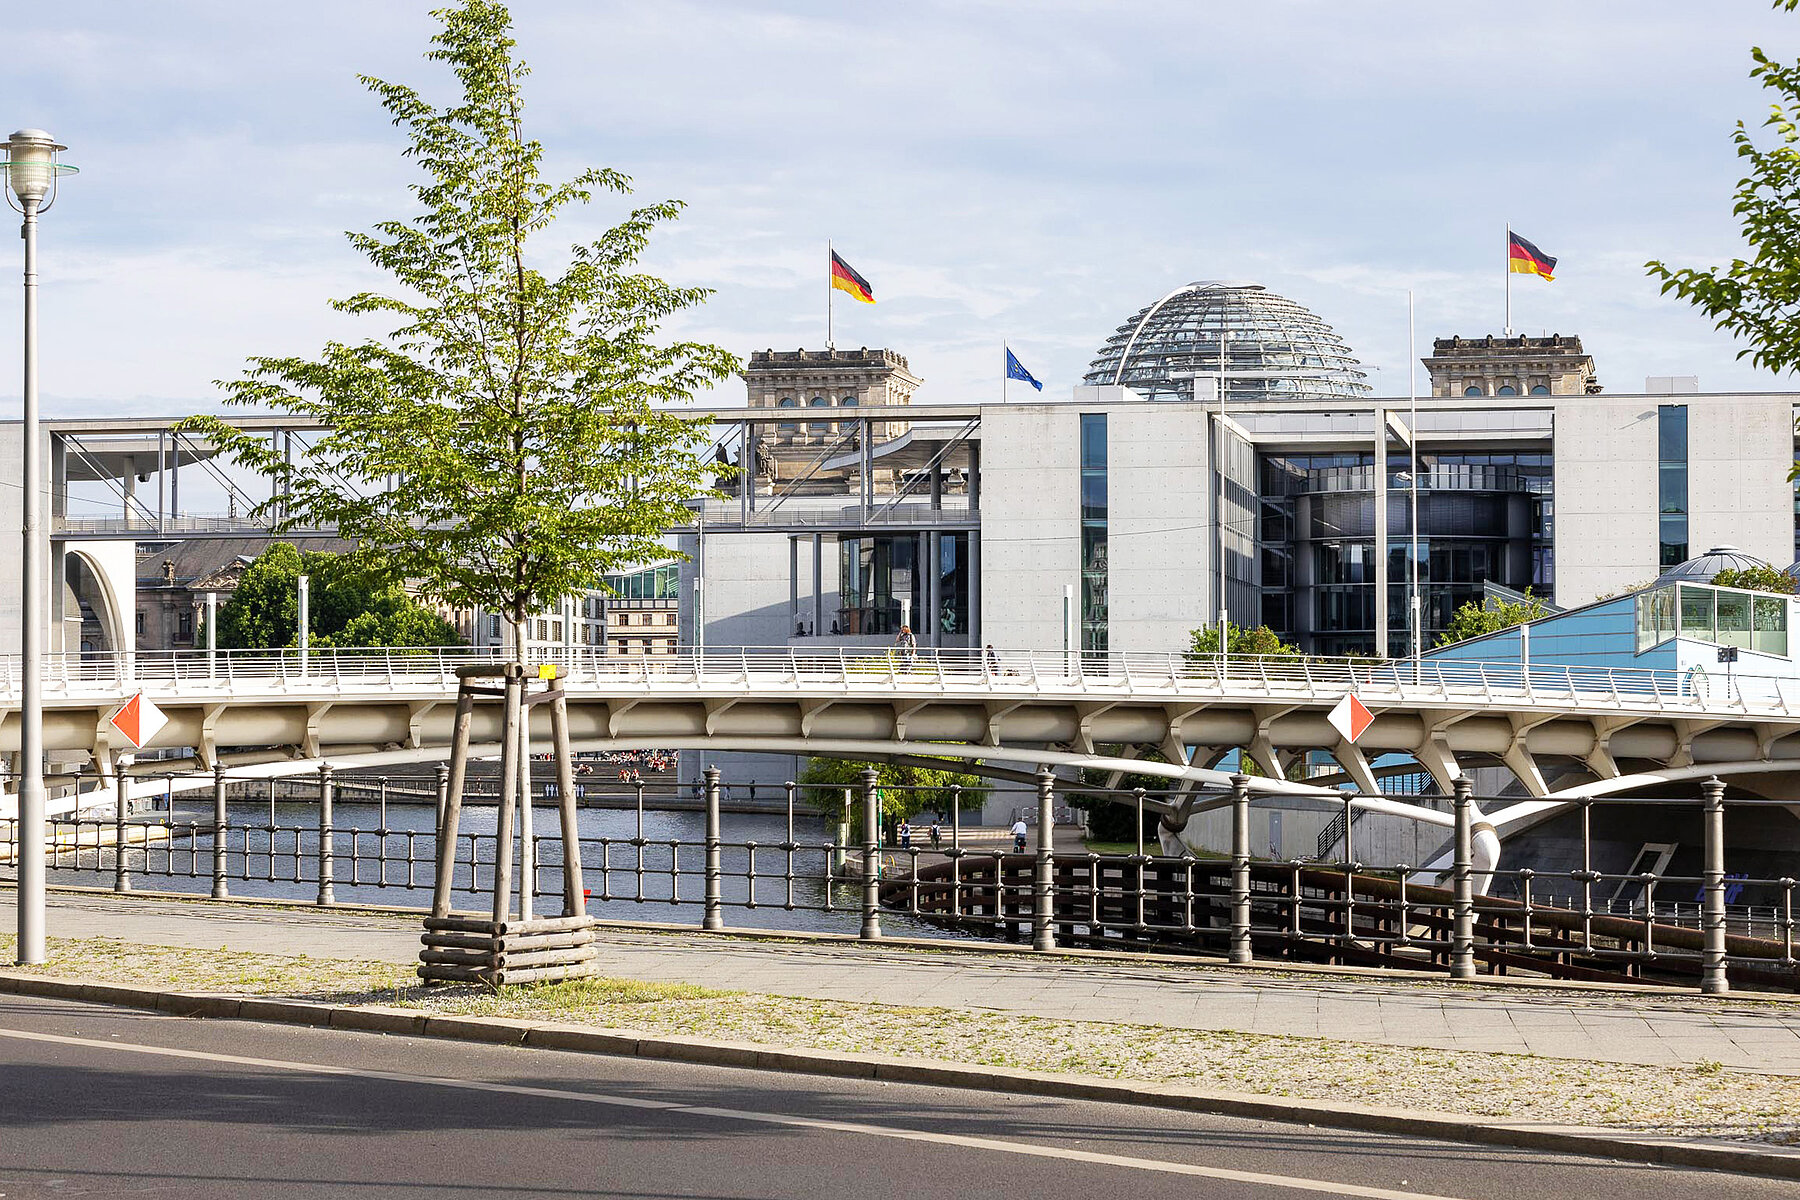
1093,532
1672,483
1538,389
1507,390
848,402
819,426
140,624
184,626
1473,390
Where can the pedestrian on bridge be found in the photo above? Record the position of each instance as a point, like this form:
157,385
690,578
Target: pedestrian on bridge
1018,832
937,834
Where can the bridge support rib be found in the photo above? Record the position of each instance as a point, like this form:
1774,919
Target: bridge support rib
1043,898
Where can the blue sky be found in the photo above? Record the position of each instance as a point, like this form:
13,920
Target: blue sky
1034,172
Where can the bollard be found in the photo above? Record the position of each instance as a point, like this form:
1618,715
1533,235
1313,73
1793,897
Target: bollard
325,868
219,889
1043,897
1240,951
871,865
443,794
1462,936
122,809
713,917
1713,980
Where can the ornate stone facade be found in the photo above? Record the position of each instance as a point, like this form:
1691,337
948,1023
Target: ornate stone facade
823,383
1511,366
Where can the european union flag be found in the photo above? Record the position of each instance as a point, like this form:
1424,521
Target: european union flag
1016,370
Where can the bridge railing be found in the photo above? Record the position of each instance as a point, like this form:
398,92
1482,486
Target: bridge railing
852,667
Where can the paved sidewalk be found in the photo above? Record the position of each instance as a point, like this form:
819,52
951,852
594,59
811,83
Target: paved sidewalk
1591,1025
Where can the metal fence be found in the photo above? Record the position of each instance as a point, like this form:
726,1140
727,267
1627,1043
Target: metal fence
829,850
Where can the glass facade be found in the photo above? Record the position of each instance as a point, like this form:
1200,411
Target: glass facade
1093,531
876,572
1672,483
651,583
1726,616
1483,516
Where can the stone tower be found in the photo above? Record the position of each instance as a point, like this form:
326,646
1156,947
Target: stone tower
823,383
1511,366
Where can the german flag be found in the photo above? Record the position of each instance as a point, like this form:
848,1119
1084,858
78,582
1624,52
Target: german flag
845,279
1527,259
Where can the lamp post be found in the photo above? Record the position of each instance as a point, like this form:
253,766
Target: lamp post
31,174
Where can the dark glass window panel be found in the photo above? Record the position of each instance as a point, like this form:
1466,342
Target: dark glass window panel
1672,433
1093,496
1672,487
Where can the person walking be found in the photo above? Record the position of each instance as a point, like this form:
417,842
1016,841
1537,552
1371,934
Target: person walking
908,645
905,834
937,834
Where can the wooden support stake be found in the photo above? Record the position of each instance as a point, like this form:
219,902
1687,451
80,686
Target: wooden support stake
574,895
453,798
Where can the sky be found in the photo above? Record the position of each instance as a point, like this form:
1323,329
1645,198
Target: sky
1028,173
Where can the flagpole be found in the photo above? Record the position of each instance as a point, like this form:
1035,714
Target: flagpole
1509,279
829,344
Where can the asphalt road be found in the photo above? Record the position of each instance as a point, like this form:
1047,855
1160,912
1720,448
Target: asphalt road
97,1101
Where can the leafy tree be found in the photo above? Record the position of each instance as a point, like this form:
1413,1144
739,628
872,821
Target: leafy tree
345,607
1474,620
1757,579
1755,297
826,779
508,436
1259,640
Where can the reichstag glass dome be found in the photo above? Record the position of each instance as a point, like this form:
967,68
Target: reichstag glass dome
1274,349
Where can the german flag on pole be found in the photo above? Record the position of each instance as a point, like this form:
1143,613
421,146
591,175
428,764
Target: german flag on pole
1527,259
845,279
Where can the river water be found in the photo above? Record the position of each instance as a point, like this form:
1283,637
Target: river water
625,881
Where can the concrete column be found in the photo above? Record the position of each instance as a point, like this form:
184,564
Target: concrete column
713,917
934,586
871,853
220,832
121,872
1240,869
793,617
1043,890
1713,980
325,864
818,583
973,573
1462,936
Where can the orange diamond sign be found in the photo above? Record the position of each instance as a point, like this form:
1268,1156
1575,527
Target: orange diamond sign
1349,717
139,720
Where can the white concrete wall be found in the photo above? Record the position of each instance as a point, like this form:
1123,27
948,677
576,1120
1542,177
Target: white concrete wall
12,523
1030,522
746,593
1740,448
1160,543
1606,495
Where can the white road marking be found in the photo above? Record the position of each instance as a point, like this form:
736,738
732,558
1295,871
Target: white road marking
1163,1166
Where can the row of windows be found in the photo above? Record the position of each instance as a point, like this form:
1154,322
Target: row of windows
1505,389
815,402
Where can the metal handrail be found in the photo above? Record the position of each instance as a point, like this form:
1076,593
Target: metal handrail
1438,682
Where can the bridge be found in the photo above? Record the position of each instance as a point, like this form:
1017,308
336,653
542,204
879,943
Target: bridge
1564,733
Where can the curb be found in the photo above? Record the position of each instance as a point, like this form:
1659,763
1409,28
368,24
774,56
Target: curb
1713,1155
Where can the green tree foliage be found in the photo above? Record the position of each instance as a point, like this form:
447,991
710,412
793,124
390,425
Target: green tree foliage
1755,297
345,607
1110,815
509,435
1474,620
1756,579
1259,640
826,779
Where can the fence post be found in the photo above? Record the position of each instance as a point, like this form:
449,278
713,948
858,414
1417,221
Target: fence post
1043,906
713,917
871,857
1713,979
219,889
1462,936
121,872
325,868
1240,951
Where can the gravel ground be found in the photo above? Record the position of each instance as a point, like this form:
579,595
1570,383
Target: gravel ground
1704,1100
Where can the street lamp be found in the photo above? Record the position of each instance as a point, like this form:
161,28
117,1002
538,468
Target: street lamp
31,174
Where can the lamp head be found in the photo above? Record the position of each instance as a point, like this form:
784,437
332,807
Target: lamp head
32,168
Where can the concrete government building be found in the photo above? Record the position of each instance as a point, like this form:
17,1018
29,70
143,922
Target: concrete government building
1093,520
